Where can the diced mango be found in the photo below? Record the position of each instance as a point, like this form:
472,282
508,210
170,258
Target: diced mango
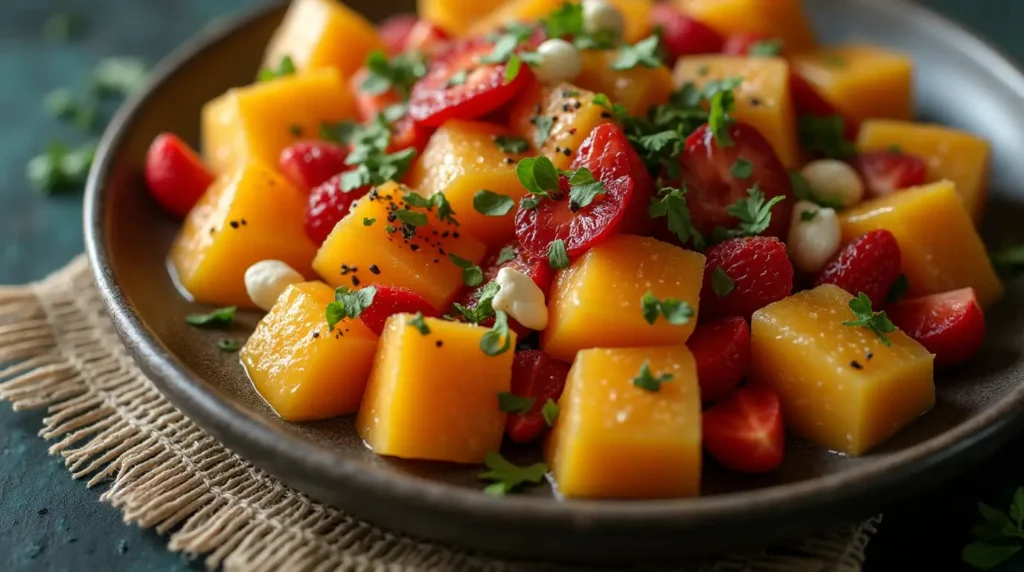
941,250
950,154
455,16
556,120
256,123
462,159
434,395
246,216
323,34
839,386
763,99
613,439
370,246
636,89
637,14
304,371
782,19
596,302
862,82
522,11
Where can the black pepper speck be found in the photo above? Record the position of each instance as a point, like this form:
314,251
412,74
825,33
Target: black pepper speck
856,365
375,269
355,280
234,224
438,343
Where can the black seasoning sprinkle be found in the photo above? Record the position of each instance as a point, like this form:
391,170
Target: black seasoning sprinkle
566,151
870,355
606,115
443,253
755,101
435,233
578,104
212,230
414,247
438,343
437,261
565,107
316,335
456,234
572,131
509,161
374,269
347,330
856,365
243,222
445,234
355,280
234,224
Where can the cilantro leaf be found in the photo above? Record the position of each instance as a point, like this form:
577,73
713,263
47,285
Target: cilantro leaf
677,312
825,136
505,44
506,477
564,21
219,318
418,322
349,303
508,253
510,403
644,53
399,73
483,309
986,556
511,144
583,188
766,48
722,103
671,204
63,104
119,75
489,203
538,175
754,213
515,63
558,258
550,412
721,283
61,168
646,380
543,123
472,275
457,78
412,218
368,221
284,68
498,339
877,322
368,153
228,346
998,537
742,169
1010,257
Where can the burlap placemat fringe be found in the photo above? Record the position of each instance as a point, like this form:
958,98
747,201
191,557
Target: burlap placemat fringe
58,351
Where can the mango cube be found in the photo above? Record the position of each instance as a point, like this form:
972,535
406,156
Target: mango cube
556,119
248,215
304,371
257,122
596,302
462,159
863,82
433,393
763,99
522,11
455,16
372,246
941,250
323,34
613,439
637,14
637,89
782,19
840,386
950,154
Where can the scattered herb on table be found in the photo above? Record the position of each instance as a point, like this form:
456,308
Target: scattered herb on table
228,346
219,318
998,538
506,477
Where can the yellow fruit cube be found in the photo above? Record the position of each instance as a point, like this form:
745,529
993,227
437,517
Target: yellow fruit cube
597,301
433,393
372,246
950,154
323,34
522,11
248,215
941,250
863,82
613,439
763,99
463,158
556,120
782,19
840,386
256,123
636,89
637,14
304,371
455,16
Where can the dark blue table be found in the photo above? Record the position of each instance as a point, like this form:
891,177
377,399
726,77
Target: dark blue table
48,521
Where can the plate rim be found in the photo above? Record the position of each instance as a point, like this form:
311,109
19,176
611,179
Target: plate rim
246,433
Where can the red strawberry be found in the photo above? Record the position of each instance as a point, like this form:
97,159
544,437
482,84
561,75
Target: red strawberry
175,175
950,325
537,269
722,351
885,172
391,300
604,152
328,204
308,164
870,264
682,35
537,375
744,432
759,269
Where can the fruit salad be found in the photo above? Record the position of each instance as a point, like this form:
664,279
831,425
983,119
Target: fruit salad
637,235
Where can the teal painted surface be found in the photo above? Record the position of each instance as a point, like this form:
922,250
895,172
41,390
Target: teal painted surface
48,521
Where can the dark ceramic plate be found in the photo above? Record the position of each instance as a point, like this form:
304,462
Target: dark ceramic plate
960,82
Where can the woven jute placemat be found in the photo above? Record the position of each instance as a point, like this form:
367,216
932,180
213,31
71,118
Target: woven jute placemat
58,351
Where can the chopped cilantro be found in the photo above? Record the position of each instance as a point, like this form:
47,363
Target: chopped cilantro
671,203
483,309
349,303
538,175
457,78
368,221
219,318
420,324
766,48
677,312
515,63
543,123
550,412
825,136
742,169
511,144
489,203
558,258
507,254
506,477
505,43
877,322
65,105
119,75
583,188
413,218
437,201
286,67
997,539
895,149
498,339
511,403
644,53
472,275
721,283
722,103
646,380
369,143
61,168
397,74
228,346
808,215
754,213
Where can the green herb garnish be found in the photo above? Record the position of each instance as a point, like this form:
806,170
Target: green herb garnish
898,289
506,476
483,309
511,144
644,53
472,275
418,322
543,123
285,67
877,322
766,48
510,403
396,74
368,153
506,254
646,380
583,188
349,303
368,221
825,136
550,412
219,318
489,203
742,169
754,213
998,538
671,204
119,76
721,283
498,339
677,312
60,168
558,257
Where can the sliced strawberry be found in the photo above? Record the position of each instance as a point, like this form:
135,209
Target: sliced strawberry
885,172
536,268
760,271
426,37
391,300
309,164
541,377
711,187
175,175
682,35
328,204
603,153
395,31
722,351
406,133
870,264
744,432
950,325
